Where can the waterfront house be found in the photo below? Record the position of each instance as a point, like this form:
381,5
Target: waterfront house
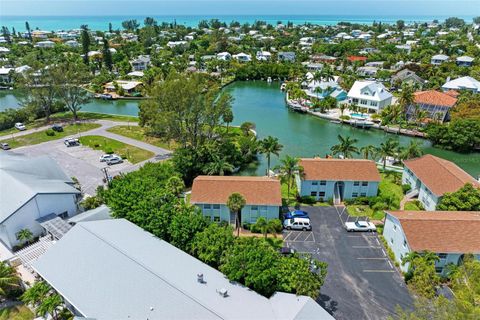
262,195
463,83
113,269
407,76
323,89
449,234
436,104
264,55
371,95
130,87
431,177
464,61
31,189
141,63
286,56
6,75
242,57
337,179
439,59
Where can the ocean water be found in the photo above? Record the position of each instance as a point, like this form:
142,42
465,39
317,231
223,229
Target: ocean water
54,23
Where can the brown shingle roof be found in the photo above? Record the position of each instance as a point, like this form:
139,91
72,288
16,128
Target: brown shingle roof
439,175
441,231
255,190
435,98
339,169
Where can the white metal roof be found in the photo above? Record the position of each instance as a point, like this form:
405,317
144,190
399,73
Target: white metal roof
370,90
462,83
112,269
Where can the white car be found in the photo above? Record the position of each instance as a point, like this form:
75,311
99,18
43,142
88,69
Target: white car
20,126
360,226
114,160
106,157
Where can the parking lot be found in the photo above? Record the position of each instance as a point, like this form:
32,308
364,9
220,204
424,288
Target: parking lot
362,282
79,162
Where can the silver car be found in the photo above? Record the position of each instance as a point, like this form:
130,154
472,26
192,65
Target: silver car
114,160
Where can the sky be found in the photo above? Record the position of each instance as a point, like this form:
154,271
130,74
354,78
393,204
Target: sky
243,7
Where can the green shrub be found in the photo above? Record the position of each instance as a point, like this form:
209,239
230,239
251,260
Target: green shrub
96,145
406,188
123,156
277,225
247,226
330,201
308,200
108,150
50,133
92,203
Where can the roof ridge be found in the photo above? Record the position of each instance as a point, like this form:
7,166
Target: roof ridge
81,224
440,160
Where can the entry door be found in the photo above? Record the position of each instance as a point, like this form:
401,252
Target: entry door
232,217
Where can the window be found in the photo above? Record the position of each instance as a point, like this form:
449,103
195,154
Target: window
391,240
216,219
216,206
364,102
356,183
321,194
442,255
364,183
254,208
404,243
394,227
323,183
315,183
363,194
313,194
355,194
207,206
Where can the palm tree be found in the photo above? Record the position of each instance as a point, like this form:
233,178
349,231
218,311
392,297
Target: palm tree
266,227
327,74
24,235
269,146
235,203
387,149
413,150
36,293
50,306
218,166
368,151
287,168
318,91
8,278
227,117
346,147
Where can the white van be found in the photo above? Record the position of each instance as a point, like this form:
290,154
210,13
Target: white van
297,224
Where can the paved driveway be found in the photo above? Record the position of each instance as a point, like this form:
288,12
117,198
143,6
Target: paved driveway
361,282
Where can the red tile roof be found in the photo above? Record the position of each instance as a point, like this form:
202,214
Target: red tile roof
435,98
356,58
441,231
439,175
255,190
339,169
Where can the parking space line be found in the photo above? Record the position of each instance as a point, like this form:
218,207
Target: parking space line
306,239
382,271
313,236
365,247
298,235
378,241
390,264
288,235
384,254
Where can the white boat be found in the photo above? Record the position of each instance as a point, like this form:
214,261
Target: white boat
283,87
269,80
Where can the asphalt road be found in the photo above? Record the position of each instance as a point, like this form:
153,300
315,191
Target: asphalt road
362,282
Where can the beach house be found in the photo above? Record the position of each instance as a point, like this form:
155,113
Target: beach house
430,177
407,76
286,56
463,83
263,56
140,63
449,234
436,104
32,188
438,59
337,179
370,95
262,195
242,57
465,61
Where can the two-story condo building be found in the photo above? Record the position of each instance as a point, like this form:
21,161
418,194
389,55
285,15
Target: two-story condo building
436,104
449,234
262,195
371,95
431,177
32,188
337,179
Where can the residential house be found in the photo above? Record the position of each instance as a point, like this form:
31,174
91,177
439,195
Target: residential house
32,188
439,59
463,84
357,58
436,104
323,58
464,61
286,56
40,34
225,56
367,71
449,234
262,195
4,51
312,66
323,89
431,177
371,95
306,41
113,269
130,87
72,43
407,76
173,44
141,63
337,179
242,57
404,47
6,75
45,44
264,55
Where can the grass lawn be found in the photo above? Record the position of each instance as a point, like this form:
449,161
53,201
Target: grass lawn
41,136
413,206
139,133
364,211
19,312
389,185
126,151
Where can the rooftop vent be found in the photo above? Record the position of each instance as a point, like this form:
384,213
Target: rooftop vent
223,292
200,278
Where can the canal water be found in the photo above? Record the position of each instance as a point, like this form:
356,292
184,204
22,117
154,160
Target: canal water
301,135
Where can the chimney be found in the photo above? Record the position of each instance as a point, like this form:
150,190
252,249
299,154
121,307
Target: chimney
223,292
200,278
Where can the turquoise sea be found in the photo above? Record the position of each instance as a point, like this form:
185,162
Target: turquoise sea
101,22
